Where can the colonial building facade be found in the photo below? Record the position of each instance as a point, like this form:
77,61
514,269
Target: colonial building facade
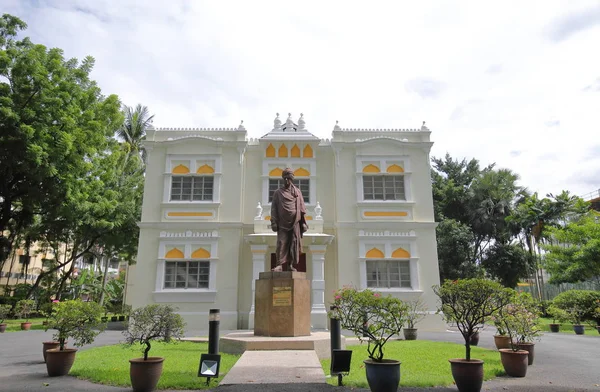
205,232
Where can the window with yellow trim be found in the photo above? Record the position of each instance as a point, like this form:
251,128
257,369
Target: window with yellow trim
187,274
384,187
192,188
388,274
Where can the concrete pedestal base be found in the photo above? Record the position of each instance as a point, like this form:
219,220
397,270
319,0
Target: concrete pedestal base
240,342
282,303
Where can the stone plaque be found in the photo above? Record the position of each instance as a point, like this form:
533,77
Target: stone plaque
282,296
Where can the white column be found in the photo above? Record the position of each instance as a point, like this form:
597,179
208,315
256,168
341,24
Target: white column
259,253
318,313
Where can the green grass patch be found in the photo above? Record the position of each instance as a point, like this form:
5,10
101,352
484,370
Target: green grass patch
14,325
424,363
567,327
109,365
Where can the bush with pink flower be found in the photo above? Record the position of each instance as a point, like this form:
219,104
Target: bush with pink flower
370,316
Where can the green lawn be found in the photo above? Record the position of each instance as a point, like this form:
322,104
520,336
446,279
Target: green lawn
14,325
110,364
424,363
567,327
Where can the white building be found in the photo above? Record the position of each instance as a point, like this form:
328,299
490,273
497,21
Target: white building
205,231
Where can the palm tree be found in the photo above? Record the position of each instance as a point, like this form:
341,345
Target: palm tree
133,130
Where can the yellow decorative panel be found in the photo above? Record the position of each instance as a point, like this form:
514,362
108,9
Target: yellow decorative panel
308,151
386,213
188,213
401,253
374,254
180,169
371,169
295,151
301,172
201,253
277,172
174,254
283,151
307,217
205,169
270,153
395,169
268,217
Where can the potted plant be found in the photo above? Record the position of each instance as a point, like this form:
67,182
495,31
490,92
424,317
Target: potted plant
146,324
23,309
46,310
73,319
416,313
558,316
376,319
522,324
501,339
468,303
520,321
597,316
4,311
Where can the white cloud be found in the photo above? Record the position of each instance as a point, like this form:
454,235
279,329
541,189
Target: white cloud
516,88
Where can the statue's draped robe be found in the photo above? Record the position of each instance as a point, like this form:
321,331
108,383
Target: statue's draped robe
287,211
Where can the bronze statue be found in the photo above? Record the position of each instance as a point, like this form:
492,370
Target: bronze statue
287,219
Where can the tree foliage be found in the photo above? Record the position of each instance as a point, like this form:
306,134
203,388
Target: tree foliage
370,316
469,302
54,122
508,263
574,254
153,322
76,320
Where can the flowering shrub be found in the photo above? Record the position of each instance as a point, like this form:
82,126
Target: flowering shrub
520,319
416,312
469,302
370,316
76,319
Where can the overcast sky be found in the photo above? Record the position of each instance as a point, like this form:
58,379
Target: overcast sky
511,82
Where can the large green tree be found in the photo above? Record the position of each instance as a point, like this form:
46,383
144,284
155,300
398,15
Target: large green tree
54,121
574,255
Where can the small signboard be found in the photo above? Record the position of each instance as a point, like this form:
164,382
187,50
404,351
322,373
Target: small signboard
282,296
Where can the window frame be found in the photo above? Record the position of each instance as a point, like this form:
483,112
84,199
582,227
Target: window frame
201,263
194,162
401,277
193,178
384,186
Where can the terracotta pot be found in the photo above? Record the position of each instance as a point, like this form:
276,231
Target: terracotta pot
514,362
2,328
501,341
59,363
579,329
25,326
383,376
49,346
468,375
410,333
144,375
554,327
529,347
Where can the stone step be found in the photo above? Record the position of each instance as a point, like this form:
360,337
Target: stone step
276,367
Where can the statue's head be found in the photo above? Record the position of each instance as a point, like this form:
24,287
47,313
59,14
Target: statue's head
288,174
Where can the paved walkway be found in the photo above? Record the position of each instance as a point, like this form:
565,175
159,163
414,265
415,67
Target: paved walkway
276,367
563,363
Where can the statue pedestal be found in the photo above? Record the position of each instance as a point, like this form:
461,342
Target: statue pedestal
282,304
